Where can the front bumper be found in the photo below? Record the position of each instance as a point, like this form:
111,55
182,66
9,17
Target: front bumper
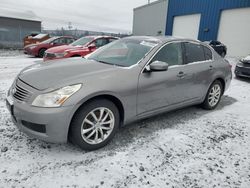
28,51
242,71
48,124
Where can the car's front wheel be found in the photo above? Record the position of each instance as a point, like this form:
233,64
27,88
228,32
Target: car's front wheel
94,124
213,96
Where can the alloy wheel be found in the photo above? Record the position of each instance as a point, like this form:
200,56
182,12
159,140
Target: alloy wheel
97,125
214,95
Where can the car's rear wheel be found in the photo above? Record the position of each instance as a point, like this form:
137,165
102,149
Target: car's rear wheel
94,124
41,52
213,96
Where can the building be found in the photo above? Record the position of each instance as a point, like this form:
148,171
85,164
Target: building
15,25
225,20
150,19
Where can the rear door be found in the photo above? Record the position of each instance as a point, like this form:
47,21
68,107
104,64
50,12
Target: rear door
199,63
161,90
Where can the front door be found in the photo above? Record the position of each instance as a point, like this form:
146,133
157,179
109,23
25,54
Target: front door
160,90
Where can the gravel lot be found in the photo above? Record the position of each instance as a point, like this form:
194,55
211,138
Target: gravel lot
186,148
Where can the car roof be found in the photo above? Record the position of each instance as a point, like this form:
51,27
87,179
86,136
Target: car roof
103,36
161,39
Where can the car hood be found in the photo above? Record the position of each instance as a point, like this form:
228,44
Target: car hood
30,45
61,49
246,59
60,72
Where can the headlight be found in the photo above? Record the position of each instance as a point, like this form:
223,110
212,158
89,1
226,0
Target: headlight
61,54
55,98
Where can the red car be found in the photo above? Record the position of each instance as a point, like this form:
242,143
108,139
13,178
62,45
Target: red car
80,47
39,49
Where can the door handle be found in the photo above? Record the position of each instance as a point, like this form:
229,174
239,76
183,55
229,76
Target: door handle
181,74
211,67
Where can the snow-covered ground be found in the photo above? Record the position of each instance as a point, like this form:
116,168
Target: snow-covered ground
186,148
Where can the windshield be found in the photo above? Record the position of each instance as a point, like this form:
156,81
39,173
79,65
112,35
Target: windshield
50,40
82,41
124,52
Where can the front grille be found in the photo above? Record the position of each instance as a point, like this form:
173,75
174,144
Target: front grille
50,55
20,93
246,73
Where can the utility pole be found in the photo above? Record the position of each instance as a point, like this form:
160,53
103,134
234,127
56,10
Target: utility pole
148,1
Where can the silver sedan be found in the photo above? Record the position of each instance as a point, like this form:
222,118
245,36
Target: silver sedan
86,100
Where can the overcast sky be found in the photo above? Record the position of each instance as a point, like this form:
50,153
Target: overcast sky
100,15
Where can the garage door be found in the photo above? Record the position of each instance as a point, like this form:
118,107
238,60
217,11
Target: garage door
187,26
234,31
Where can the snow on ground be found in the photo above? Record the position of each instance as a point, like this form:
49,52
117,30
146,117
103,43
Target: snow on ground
186,148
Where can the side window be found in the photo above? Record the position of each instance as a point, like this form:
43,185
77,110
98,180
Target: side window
193,52
69,40
100,42
59,41
171,54
208,53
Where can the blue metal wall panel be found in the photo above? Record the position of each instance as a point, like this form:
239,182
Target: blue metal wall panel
210,11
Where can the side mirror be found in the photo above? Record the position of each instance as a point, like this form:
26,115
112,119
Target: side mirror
158,66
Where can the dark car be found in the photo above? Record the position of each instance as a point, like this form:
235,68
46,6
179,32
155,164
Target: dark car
219,47
242,68
38,50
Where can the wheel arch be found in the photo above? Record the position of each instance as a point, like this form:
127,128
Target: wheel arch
109,97
42,48
222,82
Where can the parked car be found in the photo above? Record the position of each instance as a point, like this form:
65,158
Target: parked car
35,39
219,47
242,68
80,47
88,99
39,49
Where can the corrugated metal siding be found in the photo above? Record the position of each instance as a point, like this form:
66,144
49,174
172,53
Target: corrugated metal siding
210,14
155,14
12,31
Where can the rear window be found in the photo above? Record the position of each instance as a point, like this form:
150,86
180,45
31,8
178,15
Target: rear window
194,53
208,53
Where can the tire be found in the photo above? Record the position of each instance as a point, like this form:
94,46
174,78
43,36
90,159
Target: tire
41,52
85,127
208,104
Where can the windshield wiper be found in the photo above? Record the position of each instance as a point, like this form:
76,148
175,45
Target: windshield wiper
104,62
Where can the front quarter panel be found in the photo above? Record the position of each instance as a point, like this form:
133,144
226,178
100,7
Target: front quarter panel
121,83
